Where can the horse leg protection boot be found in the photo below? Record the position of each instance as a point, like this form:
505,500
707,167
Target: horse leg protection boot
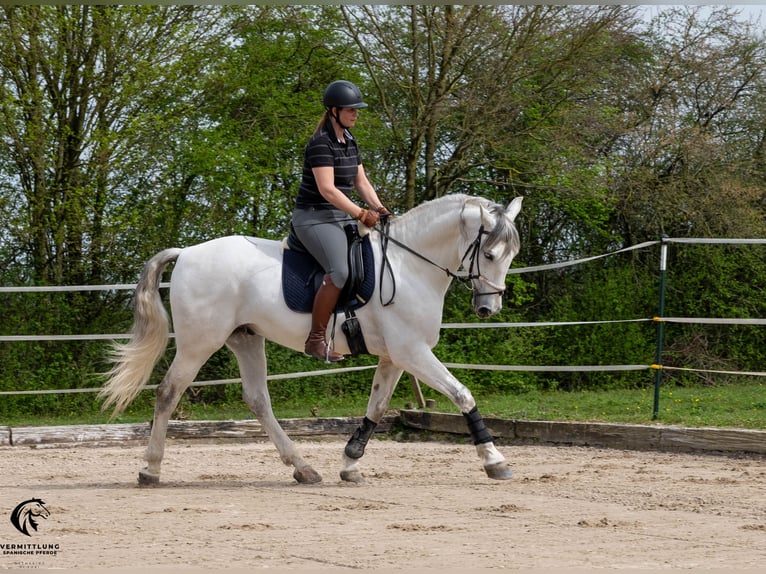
357,443
479,431
324,303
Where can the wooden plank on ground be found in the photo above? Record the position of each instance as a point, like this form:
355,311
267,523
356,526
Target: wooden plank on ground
635,437
252,428
609,435
241,429
5,436
29,436
215,429
335,425
435,422
455,424
715,439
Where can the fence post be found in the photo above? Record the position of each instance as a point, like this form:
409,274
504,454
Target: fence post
657,366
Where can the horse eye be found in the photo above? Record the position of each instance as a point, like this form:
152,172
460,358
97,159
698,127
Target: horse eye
488,255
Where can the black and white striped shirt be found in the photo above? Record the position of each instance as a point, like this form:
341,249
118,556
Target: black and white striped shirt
323,150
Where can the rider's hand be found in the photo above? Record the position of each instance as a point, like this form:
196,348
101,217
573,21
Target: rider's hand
384,213
368,217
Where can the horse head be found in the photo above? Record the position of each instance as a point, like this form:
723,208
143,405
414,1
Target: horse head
26,515
492,243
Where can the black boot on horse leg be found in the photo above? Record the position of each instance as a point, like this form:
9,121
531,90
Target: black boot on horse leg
495,465
324,304
355,450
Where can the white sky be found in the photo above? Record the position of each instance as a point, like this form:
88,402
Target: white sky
748,10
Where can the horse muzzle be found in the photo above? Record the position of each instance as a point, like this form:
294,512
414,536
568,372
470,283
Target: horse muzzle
487,304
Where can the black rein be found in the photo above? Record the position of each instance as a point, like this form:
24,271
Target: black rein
473,250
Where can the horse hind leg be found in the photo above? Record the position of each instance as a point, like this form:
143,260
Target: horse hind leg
250,351
179,376
383,384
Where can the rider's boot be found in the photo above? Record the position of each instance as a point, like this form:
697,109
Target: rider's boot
324,303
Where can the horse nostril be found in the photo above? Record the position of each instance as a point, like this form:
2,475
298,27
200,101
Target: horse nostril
483,312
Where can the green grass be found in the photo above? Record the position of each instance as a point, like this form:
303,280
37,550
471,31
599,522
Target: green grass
735,406
741,405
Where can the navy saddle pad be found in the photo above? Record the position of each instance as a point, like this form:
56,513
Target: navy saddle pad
302,276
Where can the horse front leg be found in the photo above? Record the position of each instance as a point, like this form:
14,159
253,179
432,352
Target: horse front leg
426,367
383,384
250,350
492,459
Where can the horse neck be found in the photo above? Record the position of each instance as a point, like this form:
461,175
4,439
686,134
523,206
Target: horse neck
433,230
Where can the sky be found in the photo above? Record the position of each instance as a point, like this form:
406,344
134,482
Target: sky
755,9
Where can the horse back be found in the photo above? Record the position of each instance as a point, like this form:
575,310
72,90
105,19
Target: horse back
226,262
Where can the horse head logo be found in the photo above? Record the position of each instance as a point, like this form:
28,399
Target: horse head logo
26,515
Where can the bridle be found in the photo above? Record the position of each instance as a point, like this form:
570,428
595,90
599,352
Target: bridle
472,253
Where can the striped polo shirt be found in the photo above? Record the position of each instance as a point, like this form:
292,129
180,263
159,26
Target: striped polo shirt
322,150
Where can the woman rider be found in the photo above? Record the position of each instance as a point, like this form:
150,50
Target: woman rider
331,169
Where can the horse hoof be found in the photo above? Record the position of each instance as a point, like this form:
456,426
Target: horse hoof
307,475
146,479
352,476
498,471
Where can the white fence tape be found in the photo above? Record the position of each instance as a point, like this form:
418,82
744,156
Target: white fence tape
579,261
707,321
66,288
715,241
549,368
201,383
747,373
695,320
536,324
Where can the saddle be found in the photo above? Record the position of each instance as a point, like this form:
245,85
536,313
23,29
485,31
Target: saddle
302,275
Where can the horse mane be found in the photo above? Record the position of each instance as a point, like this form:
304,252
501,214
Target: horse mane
415,211
504,231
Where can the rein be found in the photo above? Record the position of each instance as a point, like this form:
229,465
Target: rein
473,250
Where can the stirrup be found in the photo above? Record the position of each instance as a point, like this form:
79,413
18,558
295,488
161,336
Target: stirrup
331,356
328,356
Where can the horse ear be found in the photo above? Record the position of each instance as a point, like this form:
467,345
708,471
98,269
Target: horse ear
486,217
481,204
514,208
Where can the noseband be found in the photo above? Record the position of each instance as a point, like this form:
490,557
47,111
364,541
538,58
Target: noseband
472,253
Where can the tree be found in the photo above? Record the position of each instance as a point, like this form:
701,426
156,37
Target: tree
259,103
461,86
75,81
691,163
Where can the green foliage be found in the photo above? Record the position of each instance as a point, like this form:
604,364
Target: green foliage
598,292
733,276
483,346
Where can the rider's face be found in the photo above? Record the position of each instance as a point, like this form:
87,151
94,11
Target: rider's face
348,116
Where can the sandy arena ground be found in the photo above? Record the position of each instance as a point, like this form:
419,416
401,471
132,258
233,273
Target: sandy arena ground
425,506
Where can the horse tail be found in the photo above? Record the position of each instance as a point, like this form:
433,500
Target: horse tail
135,360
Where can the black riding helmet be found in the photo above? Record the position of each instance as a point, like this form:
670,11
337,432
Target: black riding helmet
342,94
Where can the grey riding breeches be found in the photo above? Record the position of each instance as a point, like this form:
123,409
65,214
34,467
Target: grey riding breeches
322,234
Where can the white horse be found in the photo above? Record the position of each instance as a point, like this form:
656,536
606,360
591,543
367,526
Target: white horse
228,292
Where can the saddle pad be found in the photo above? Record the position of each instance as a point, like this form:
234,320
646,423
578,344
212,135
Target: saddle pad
301,276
